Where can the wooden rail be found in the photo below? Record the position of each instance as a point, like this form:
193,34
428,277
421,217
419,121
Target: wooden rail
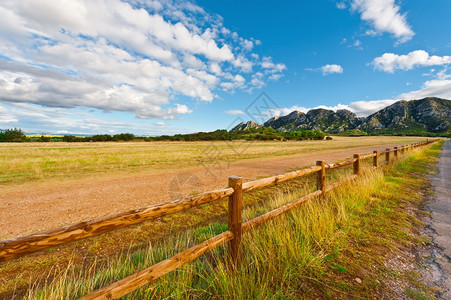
21,246
14,248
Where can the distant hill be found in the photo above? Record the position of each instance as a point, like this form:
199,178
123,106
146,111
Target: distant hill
428,115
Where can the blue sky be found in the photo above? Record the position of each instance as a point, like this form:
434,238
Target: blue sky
165,67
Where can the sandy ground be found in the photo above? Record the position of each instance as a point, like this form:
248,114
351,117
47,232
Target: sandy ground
34,207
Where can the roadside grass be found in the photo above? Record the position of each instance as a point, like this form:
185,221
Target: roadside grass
31,162
325,249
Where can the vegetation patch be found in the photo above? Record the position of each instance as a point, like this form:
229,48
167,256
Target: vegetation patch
334,248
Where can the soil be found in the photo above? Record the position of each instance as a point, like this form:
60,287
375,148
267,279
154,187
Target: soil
36,206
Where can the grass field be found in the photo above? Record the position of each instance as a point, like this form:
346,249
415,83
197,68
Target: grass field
316,251
64,270
26,162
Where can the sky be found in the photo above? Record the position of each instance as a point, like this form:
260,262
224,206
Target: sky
166,67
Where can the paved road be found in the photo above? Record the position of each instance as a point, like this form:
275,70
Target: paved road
441,219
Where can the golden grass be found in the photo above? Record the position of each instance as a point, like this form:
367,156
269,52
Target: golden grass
27,162
315,251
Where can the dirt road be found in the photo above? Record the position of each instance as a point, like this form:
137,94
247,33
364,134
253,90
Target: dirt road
33,207
440,224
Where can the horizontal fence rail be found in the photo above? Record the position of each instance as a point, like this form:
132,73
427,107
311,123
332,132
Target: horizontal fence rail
14,248
21,246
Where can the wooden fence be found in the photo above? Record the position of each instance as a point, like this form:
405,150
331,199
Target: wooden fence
14,248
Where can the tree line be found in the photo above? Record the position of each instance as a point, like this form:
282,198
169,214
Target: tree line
259,134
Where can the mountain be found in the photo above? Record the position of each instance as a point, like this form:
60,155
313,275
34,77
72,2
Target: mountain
245,126
316,119
428,115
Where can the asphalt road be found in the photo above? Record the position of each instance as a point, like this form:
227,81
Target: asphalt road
440,208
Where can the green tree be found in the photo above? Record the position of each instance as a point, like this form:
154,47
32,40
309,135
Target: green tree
13,135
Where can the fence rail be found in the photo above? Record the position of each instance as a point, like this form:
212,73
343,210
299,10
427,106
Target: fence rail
14,248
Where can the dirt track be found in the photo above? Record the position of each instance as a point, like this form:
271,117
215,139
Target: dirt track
34,207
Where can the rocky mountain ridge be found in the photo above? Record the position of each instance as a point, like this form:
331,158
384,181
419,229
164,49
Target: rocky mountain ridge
428,115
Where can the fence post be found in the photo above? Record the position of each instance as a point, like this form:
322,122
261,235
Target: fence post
357,164
321,179
235,220
376,159
396,152
387,155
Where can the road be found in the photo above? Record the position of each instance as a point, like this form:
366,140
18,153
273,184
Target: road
440,223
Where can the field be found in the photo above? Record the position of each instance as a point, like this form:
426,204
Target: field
25,162
87,180
312,266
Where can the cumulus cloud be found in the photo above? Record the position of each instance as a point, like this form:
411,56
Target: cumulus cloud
431,88
132,56
328,69
234,112
384,16
360,108
389,62
37,119
439,86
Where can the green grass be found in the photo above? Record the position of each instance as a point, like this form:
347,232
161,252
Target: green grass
315,251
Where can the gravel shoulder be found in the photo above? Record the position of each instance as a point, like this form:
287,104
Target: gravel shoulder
438,255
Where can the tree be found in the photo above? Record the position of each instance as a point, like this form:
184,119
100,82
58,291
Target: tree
13,135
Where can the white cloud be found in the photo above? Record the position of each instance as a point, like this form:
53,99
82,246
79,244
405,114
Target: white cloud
38,119
341,5
389,62
360,108
431,88
440,87
357,44
327,69
330,69
366,108
234,112
179,109
132,56
384,16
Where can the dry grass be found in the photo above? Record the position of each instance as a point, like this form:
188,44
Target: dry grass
27,162
315,251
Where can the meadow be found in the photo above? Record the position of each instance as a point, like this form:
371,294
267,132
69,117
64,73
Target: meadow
328,250
28,162
73,270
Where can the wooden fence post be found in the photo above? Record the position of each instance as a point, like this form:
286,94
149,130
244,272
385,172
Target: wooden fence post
321,179
396,152
376,159
235,220
356,164
387,155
